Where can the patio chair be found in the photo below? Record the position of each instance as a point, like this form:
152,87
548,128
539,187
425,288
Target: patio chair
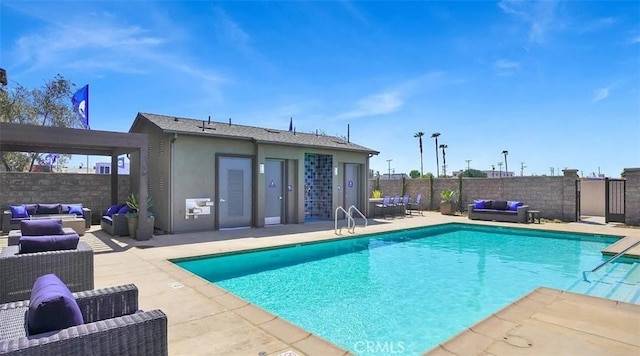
404,205
395,203
417,205
18,271
112,324
384,206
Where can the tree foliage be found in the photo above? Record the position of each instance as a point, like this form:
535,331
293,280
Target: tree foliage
414,174
474,173
49,105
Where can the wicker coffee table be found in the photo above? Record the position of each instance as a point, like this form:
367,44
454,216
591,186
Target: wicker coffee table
68,220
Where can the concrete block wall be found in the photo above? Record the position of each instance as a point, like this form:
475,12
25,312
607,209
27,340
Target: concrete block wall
555,196
632,196
93,191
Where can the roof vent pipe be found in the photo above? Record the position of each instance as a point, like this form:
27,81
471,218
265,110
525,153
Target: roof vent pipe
348,132
229,121
203,125
209,120
316,132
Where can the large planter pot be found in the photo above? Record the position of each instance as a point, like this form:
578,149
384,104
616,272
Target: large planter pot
132,224
149,233
447,208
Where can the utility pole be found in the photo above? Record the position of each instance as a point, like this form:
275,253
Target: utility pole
522,167
500,167
468,161
389,164
551,170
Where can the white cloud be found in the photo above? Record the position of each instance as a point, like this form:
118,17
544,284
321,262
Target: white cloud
377,104
635,40
540,17
230,31
505,67
601,94
109,46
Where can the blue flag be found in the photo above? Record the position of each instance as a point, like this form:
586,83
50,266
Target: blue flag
50,159
80,101
291,124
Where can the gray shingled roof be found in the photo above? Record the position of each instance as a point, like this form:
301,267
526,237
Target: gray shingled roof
172,124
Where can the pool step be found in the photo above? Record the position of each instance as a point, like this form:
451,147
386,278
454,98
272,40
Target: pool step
617,281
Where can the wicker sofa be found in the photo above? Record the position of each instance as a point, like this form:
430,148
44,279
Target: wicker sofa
498,210
12,223
18,271
112,325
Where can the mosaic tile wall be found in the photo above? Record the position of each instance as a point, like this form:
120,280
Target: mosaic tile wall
318,183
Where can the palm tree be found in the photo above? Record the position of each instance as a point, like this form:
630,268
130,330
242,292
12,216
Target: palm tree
444,160
435,135
506,167
419,135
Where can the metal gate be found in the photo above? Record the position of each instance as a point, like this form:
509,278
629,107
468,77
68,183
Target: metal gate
614,200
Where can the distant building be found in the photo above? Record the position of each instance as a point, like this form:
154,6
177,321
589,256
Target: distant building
105,167
393,176
490,173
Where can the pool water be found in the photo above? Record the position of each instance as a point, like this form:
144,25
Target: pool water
407,291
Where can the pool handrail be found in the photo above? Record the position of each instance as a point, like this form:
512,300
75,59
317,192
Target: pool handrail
611,259
366,222
349,220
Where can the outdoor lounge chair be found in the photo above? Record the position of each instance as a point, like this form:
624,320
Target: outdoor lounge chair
113,325
384,206
18,271
416,205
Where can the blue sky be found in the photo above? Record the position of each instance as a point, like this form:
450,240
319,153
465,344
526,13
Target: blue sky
557,84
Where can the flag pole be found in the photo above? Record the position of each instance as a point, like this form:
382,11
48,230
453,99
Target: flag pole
87,112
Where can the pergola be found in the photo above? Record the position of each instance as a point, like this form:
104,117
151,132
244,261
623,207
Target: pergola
45,139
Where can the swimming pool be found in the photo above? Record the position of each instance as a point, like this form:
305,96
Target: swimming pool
406,290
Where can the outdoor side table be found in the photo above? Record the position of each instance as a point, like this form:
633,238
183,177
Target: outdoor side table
532,215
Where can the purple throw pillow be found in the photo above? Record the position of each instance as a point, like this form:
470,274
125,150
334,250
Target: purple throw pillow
112,210
478,204
123,209
75,209
35,244
41,227
513,205
18,211
52,306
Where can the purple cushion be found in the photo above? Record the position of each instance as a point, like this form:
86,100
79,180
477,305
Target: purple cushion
18,211
52,306
488,204
112,210
478,204
75,209
123,209
513,205
34,244
49,209
32,209
41,227
500,205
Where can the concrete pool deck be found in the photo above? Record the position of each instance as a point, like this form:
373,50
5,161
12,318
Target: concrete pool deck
206,320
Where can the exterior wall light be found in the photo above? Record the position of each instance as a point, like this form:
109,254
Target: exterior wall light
261,168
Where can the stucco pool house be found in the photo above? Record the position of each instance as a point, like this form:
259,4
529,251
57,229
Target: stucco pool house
206,175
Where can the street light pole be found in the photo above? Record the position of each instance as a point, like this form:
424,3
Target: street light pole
389,165
467,160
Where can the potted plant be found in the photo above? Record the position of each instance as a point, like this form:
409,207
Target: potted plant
132,216
447,202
